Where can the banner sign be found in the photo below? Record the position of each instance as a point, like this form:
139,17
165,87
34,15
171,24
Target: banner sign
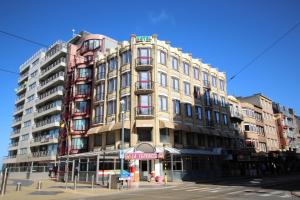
143,38
143,156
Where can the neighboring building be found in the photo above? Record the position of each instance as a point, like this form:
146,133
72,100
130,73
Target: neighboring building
38,107
268,129
253,126
298,132
175,107
237,118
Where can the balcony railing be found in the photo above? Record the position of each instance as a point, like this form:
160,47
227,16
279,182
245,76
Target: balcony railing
144,85
43,153
100,96
16,120
51,78
237,114
99,119
15,132
20,97
49,92
46,122
23,76
19,108
14,144
20,88
49,106
44,139
53,65
101,76
144,110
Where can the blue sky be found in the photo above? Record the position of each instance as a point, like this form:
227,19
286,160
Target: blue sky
226,34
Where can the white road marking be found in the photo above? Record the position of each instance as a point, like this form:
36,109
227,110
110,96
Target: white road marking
236,192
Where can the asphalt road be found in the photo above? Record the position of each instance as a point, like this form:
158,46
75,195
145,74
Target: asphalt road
238,190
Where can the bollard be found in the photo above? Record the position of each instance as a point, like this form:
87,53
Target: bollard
92,182
166,178
39,185
75,183
18,188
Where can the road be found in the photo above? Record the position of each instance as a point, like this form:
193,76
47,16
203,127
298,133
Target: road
238,190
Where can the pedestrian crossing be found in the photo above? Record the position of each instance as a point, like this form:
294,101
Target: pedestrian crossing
232,191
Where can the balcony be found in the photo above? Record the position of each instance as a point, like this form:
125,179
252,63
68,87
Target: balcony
236,115
20,98
21,88
17,121
13,146
55,51
37,141
206,83
56,79
18,110
42,155
15,133
23,77
47,110
46,124
50,95
209,123
143,87
100,76
144,63
58,65
144,111
10,159
99,119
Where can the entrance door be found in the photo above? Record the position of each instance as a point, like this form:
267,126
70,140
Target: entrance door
145,169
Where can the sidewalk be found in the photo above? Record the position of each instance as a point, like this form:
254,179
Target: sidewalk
52,190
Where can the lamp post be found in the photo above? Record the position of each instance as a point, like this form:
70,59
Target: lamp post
122,102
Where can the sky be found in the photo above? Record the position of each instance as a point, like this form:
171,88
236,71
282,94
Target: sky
227,34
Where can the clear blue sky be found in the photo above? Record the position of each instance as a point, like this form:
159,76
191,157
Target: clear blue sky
226,34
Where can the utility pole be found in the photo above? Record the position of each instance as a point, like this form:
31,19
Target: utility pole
122,139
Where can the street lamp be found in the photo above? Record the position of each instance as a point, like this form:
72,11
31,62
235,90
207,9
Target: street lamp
122,102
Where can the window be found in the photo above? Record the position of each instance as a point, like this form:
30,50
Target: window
189,139
217,117
97,140
99,114
207,97
164,136
112,85
225,119
188,110
100,93
84,73
126,135
25,137
90,45
126,57
196,73
162,79
30,98
31,86
163,103
33,74
223,102
144,134
81,106
82,89
127,105
112,64
216,101
175,84
214,81
27,123
187,88
176,107
208,115
28,111
80,124
125,80
221,82
174,62
197,92
111,107
23,151
101,71
198,110
186,68
205,78
110,138
144,56
79,143
177,137
162,57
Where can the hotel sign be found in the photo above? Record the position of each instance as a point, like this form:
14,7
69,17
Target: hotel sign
143,38
143,156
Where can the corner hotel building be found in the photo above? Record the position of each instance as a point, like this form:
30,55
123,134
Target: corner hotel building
174,108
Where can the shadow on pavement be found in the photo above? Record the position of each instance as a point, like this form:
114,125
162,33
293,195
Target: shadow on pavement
46,192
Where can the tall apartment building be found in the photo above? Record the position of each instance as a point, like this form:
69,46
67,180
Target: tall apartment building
298,132
286,126
37,109
176,117
267,129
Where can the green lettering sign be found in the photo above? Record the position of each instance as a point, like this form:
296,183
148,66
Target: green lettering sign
143,38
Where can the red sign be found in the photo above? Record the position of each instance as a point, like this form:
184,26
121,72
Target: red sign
143,156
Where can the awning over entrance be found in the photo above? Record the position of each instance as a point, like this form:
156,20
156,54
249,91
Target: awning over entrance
144,123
